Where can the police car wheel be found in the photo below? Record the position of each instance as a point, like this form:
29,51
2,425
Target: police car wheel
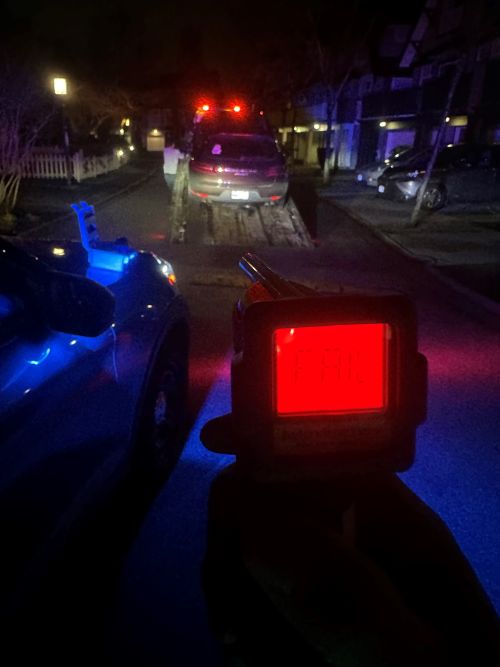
162,431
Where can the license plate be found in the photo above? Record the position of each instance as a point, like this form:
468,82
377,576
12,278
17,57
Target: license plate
239,194
381,188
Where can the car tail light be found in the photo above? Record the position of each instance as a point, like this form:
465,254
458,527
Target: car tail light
198,194
275,171
202,167
237,108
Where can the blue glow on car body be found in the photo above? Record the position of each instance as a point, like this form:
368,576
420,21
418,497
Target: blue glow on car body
36,362
6,306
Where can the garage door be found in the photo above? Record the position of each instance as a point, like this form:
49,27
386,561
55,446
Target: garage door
156,143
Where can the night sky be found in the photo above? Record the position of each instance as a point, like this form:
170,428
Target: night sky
133,42
141,44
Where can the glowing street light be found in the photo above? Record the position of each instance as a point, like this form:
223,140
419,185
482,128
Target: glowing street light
60,86
61,90
316,126
383,123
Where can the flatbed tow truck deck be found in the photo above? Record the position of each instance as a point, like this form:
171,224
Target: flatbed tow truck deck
219,224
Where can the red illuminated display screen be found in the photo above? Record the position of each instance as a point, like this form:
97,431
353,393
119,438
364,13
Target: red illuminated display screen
327,369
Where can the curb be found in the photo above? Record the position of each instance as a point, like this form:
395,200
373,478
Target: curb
484,308
70,215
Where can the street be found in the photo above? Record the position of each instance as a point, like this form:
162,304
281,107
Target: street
154,615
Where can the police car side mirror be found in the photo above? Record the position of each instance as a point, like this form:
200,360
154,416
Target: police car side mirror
77,305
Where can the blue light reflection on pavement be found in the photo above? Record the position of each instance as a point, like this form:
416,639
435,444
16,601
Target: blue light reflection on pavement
456,473
160,607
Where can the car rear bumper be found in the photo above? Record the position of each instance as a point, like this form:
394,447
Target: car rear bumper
399,190
258,192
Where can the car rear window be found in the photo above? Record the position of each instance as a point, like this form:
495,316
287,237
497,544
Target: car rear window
238,147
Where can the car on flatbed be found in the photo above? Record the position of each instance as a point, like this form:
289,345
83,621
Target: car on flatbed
238,168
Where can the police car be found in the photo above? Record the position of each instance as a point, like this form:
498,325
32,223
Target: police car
94,342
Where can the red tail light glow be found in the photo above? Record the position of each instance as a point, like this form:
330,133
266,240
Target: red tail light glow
276,197
275,171
237,108
198,194
202,167
205,107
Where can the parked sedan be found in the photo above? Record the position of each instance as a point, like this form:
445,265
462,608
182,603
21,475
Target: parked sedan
238,168
93,378
464,173
369,174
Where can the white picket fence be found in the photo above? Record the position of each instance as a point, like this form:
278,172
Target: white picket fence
51,163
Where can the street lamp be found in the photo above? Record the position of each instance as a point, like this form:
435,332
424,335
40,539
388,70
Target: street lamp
60,86
383,123
61,90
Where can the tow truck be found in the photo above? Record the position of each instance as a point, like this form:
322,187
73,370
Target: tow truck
242,223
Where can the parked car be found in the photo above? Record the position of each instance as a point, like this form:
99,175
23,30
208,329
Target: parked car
369,174
236,168
93,380
463,173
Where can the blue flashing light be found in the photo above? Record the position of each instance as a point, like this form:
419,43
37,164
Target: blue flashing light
133,255
37,362
102,259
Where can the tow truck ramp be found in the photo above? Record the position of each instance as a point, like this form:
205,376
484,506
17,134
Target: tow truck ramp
195,221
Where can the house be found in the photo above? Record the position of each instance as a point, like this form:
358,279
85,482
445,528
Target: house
400,99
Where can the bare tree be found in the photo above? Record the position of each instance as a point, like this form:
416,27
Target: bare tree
336,40
459,68
23,114
91,107
482,27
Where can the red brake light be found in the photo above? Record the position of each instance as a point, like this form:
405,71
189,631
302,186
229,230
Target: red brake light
275,171
237,108
202,167
205,107
198,194
331,369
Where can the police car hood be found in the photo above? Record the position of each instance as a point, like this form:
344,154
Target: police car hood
68,256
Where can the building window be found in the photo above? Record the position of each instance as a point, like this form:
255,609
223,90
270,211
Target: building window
400,83
427,72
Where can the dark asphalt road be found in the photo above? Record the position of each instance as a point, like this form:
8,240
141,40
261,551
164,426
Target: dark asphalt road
155,614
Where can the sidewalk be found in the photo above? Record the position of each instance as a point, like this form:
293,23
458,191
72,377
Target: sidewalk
43,201
461,241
